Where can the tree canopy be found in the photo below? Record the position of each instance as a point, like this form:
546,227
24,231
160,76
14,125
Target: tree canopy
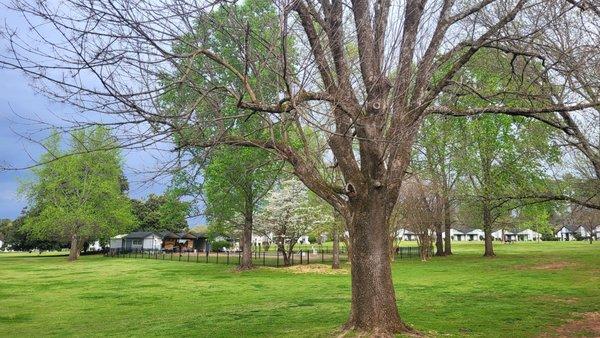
76,194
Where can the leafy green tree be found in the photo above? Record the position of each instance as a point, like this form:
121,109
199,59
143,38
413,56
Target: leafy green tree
500,157
77,194
499,162
235,182
18,238
161,213
235,179
536,217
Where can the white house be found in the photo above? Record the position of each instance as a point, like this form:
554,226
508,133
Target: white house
529,235
515,235
406,235
258,239
143,240
1,243
466,234
117,242
303,240
566,233
95,246
474,235
585,231
454,233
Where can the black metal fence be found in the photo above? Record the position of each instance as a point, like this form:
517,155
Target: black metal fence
264,258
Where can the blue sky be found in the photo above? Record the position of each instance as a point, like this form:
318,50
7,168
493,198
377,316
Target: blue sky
18,103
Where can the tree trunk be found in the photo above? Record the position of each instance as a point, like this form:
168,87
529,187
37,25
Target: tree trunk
447,227
75,247
439,240
336,250
284,254
424,241
487,231
374,309
246,262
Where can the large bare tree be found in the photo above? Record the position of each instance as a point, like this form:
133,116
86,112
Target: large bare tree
362,74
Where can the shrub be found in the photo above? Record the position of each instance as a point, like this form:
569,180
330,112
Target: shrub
219,245
549,237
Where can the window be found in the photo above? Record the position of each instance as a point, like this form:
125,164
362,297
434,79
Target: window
136,242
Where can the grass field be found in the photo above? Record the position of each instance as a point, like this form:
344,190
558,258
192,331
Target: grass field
529,289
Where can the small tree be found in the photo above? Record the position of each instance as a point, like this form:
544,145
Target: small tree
421,210
588,218
287,215
77,194
235,182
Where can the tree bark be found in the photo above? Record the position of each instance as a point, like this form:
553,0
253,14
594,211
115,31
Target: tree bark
487,231
374,309
284,254
447,228
439,240
246,262
336,250
74,250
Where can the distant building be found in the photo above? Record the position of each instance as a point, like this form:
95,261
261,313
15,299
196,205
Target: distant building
566,233
467,234
516,235
143,240
117,242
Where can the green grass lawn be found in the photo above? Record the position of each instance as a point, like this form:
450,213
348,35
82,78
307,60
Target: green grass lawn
530,288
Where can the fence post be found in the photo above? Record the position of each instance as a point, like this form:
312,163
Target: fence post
197,254
301,257
277,258
227,257
179,259
292,258
217,256
264,256
171,255
322,256
207,253
188,256
239,258
307,257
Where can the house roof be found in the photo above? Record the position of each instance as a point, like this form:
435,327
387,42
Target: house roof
168,235
463,229
140,234
528,229
185,235
570,227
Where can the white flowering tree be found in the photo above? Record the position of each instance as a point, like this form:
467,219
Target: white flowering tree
287,215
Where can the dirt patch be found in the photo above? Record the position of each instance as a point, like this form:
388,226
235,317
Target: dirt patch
317,268
555,299
546,266
587,325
